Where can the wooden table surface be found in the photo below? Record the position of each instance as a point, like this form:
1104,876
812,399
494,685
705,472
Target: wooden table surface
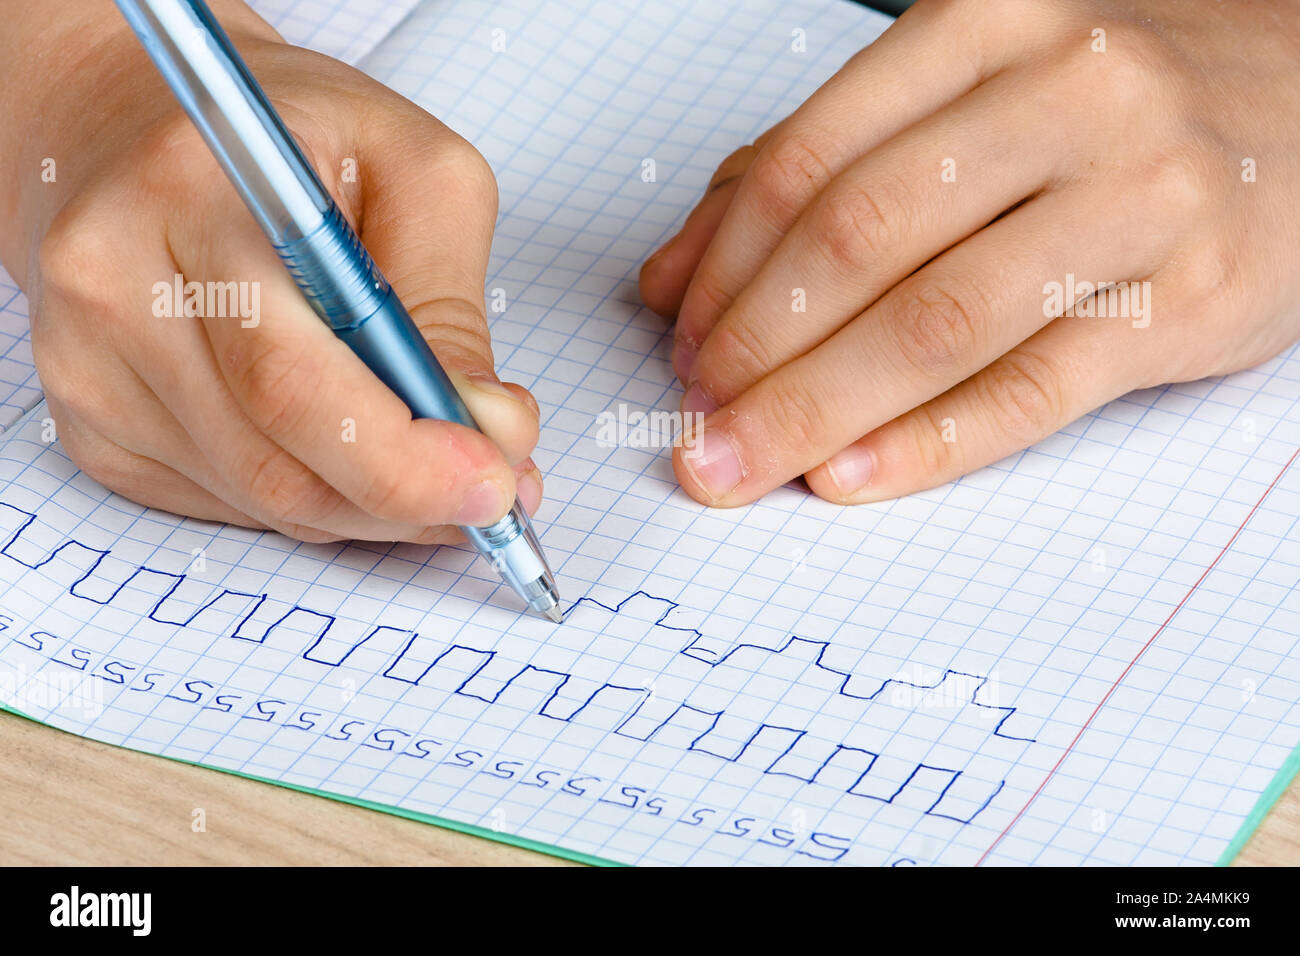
67,800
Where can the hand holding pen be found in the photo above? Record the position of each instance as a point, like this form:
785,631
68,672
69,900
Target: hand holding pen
266,421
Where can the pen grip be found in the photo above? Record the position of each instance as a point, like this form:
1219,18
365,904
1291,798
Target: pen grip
392,346
335,272
348,292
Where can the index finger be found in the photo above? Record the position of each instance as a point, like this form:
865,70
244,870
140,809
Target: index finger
881,91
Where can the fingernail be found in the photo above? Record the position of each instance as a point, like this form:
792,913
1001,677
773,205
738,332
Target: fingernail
850,470
684,353
715,463
481,505
697,402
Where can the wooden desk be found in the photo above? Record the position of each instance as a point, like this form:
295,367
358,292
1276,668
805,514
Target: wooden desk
66,800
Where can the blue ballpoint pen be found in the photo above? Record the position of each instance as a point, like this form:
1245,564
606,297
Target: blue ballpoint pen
322,252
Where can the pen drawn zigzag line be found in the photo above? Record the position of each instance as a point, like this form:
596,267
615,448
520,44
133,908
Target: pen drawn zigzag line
707,657
561,678
830,757
798,734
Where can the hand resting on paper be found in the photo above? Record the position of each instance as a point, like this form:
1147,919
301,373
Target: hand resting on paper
894,286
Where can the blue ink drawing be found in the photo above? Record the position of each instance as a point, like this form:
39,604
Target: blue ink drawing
782,710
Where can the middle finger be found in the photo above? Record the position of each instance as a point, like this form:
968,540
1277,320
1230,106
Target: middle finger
878,221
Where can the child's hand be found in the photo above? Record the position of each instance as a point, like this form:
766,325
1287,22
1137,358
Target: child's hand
930,202
261,419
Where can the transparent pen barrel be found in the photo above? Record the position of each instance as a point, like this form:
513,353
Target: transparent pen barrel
512,547
231,113
335,272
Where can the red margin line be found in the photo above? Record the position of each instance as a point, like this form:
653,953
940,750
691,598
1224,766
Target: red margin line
1137,657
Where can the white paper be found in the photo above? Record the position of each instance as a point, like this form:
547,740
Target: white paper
783,684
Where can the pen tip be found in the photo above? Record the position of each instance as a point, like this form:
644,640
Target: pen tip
555,615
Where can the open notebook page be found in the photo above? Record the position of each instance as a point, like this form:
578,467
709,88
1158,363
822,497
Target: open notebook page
1084,654
345,29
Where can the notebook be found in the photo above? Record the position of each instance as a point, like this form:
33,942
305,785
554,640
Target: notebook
1084,654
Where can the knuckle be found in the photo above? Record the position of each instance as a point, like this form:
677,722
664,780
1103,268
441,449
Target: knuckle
1176,184
734,352
801,414
459,164
960,14
708,299
274,384
169,134
287,494
72,254
1211,273
787,171
1124,75
1002,10
936,458
937,328
391,496
1021,390
171,147
78,450
455,329
855,226
478,171
988,8
80,400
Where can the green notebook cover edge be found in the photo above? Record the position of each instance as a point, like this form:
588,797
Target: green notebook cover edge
1270,796
1265,802
574,856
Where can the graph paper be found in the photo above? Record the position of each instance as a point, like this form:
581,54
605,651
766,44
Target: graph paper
344,29
1084,654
